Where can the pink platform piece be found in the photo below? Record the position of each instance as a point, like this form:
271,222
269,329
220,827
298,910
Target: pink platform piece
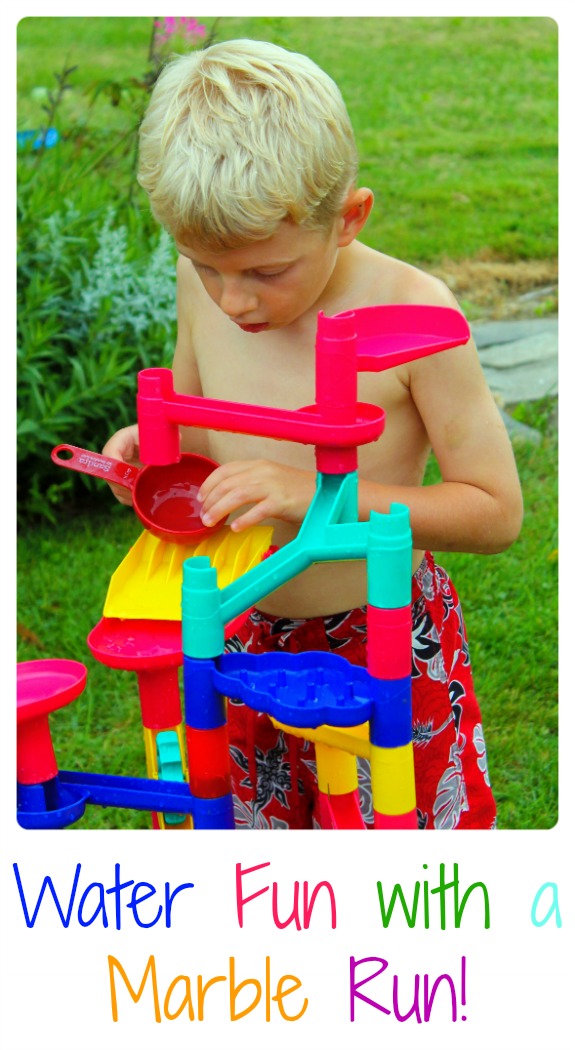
371,339
43,686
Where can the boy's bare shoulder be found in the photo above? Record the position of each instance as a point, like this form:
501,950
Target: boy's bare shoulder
392,281
192,302
188,282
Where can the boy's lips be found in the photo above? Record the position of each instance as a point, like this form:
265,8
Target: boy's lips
252,327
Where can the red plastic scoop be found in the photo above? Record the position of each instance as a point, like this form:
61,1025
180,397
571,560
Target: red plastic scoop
164,498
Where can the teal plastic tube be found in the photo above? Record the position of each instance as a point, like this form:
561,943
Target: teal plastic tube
389,552
202,615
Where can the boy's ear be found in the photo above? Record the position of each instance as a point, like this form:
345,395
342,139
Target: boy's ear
354,215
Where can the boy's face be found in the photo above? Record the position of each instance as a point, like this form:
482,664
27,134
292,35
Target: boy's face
272,283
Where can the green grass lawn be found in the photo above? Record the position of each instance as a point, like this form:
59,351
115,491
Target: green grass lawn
510,604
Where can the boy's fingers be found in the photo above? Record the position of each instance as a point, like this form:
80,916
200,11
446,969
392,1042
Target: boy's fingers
122,494
123,445
218,476
253,516
228,495
222,506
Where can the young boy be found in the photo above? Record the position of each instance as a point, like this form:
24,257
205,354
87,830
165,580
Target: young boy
248,158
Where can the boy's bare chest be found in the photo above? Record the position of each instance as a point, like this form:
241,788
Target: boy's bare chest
266,369
254,368
269,368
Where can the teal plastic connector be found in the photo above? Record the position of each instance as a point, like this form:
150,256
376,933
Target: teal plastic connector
389,551
329,532
170,766
202,623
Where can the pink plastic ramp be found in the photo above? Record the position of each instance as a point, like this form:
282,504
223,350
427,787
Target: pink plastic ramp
370,339
386,336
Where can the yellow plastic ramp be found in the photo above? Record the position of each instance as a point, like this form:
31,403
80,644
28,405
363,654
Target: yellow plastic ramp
147,585
354,740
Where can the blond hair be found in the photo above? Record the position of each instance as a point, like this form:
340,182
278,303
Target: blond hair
239,137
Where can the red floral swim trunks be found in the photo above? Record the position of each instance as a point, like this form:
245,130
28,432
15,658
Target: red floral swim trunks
273,773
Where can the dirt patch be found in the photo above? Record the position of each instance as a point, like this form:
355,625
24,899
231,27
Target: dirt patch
492,288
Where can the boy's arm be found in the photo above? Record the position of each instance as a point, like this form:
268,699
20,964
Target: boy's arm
477,506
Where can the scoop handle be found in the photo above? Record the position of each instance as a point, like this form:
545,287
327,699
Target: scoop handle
97,466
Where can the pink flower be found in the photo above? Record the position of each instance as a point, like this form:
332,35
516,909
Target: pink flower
193,27
187,27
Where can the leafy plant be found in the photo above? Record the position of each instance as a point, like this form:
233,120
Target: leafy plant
51,107
96,304
132,93
96,279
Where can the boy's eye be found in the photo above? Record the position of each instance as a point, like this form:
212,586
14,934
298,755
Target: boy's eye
200,268
262,275
269,275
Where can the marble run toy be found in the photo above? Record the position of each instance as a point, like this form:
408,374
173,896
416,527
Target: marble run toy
49,797
346,710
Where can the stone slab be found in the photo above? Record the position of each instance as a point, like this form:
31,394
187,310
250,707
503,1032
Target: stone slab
489,333
519,358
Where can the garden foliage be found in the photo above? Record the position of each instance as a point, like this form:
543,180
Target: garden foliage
96,277
96,303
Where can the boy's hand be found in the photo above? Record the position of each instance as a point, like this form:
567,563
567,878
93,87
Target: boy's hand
271,490
124,445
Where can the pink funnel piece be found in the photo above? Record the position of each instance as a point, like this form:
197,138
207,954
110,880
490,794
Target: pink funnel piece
43,686
136,645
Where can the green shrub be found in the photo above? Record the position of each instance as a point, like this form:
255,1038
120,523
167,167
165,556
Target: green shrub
96,303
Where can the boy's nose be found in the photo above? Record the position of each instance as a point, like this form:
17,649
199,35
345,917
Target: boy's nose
236,300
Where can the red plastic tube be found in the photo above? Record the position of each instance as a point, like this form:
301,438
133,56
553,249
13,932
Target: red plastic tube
208,761
399,822
389,642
